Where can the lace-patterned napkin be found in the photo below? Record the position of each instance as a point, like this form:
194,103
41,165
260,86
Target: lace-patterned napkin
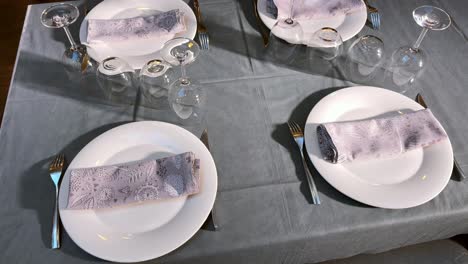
164,25
378,138
316,9
109,186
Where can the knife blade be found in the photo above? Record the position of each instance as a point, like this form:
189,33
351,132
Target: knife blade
421,101
210,223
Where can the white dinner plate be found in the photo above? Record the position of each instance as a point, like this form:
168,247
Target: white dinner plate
347,25
139,232
135,52
408,180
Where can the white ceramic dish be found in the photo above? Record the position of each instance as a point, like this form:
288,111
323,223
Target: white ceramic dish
408,180
136,52
139,232
347,25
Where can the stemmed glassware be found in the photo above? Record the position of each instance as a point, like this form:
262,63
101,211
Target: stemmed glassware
75,58
186,96
408,61
327,43
155,78
288,28
116,77
366,54
284,37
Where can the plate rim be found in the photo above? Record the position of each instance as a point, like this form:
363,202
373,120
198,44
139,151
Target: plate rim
188,237
328,178
83,29
265,19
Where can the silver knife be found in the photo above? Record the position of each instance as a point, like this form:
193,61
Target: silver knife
420,100
210,223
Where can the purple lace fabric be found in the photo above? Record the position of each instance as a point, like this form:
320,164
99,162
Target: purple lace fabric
316,9
109,186
378,138
164,25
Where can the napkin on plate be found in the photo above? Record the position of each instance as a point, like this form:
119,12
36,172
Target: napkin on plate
380,137
164,25
316,9
109,186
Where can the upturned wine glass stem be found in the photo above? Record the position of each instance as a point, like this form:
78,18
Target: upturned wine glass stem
70,38
183,74
291,6
420,38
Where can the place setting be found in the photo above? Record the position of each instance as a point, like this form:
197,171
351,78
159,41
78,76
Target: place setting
145,188
126,196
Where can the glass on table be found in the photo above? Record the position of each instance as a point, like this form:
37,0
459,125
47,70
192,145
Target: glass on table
288,28
155,79
408,61
285,34
366,54
75,58
326,43
186,96
115,76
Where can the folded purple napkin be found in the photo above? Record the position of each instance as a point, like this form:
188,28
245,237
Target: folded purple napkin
315,9
164,25
378,138
109,186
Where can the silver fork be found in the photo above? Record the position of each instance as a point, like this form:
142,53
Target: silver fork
201,29
298,136
374,15
55,171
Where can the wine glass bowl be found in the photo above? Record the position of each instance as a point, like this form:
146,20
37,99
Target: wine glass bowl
327,42
115,76
408,61
155,78
186,96
431,17
59,15
366,54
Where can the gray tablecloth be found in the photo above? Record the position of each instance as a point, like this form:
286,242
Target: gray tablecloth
263,206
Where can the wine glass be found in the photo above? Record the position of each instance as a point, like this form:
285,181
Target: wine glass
115,76
366,54
186,96
75,58
408,61
326,43
287,28
155,78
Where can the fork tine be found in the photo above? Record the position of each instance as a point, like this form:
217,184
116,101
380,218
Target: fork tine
298,128
204,41
202,37
378,20
374,19
207,41
62,160
290,128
